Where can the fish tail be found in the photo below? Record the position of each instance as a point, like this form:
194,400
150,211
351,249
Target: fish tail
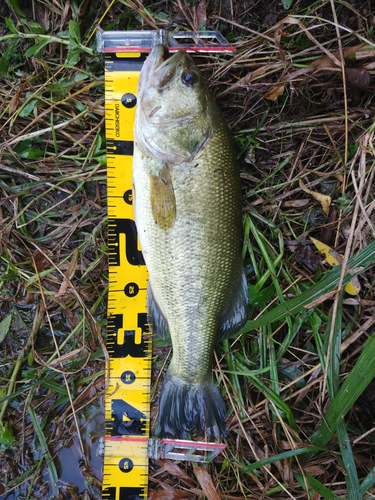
185,407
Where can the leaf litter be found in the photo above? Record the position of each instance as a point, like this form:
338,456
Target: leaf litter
299,97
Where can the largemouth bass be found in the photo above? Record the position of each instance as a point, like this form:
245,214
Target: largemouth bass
188,215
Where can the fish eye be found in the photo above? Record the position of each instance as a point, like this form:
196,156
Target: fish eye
189,78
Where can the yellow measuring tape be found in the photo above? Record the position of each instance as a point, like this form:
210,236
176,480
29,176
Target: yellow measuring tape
127,403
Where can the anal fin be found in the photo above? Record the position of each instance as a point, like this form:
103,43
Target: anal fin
156,319
234,317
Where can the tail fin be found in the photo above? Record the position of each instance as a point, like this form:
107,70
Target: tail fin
186,407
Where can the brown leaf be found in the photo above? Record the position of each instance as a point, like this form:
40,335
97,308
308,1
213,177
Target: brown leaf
201,14
328,230
248,78
275,92
176,471
295,203
358,78
170,494
40,258
206,483
324,63
68,275
307,257
315,470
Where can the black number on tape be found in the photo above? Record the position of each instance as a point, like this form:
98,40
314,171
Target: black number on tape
128,377
127,420
125,493
131,289
129,347
130,252
126,465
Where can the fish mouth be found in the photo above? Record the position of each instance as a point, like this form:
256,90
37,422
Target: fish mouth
166,71
158,55
163,66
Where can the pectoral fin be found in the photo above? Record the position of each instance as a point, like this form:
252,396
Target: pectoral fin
234,317
158,323
163,201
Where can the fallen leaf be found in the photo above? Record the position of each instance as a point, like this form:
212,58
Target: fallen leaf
275,92
68,275
65,358
295,203
328,230
353,287
333,258
327,62
245,80
324,199
307,257
351,302
206,483
173,469
41,259
358,77
170,494
315,470
201,14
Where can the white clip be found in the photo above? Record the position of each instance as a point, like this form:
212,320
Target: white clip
143,41
180,449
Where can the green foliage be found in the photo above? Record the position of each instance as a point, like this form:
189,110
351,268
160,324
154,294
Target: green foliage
287,4
6,436
70,38
5,326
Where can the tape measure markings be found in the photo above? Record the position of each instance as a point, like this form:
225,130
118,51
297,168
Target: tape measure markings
127,406
120,147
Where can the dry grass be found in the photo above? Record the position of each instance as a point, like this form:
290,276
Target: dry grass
299,97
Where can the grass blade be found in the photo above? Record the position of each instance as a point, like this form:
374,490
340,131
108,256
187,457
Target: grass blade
334,335
281,456
325,492
47,455
368,482
352,482
358,263
355,383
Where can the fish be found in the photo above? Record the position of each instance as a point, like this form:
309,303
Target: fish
187,209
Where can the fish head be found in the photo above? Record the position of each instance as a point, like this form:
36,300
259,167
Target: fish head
173,116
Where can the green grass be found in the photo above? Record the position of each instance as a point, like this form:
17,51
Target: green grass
299,379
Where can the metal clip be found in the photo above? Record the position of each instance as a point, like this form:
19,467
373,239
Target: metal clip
179,449
128,41
143,41
199,41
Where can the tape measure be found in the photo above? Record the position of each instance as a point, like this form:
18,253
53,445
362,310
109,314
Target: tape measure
127,404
